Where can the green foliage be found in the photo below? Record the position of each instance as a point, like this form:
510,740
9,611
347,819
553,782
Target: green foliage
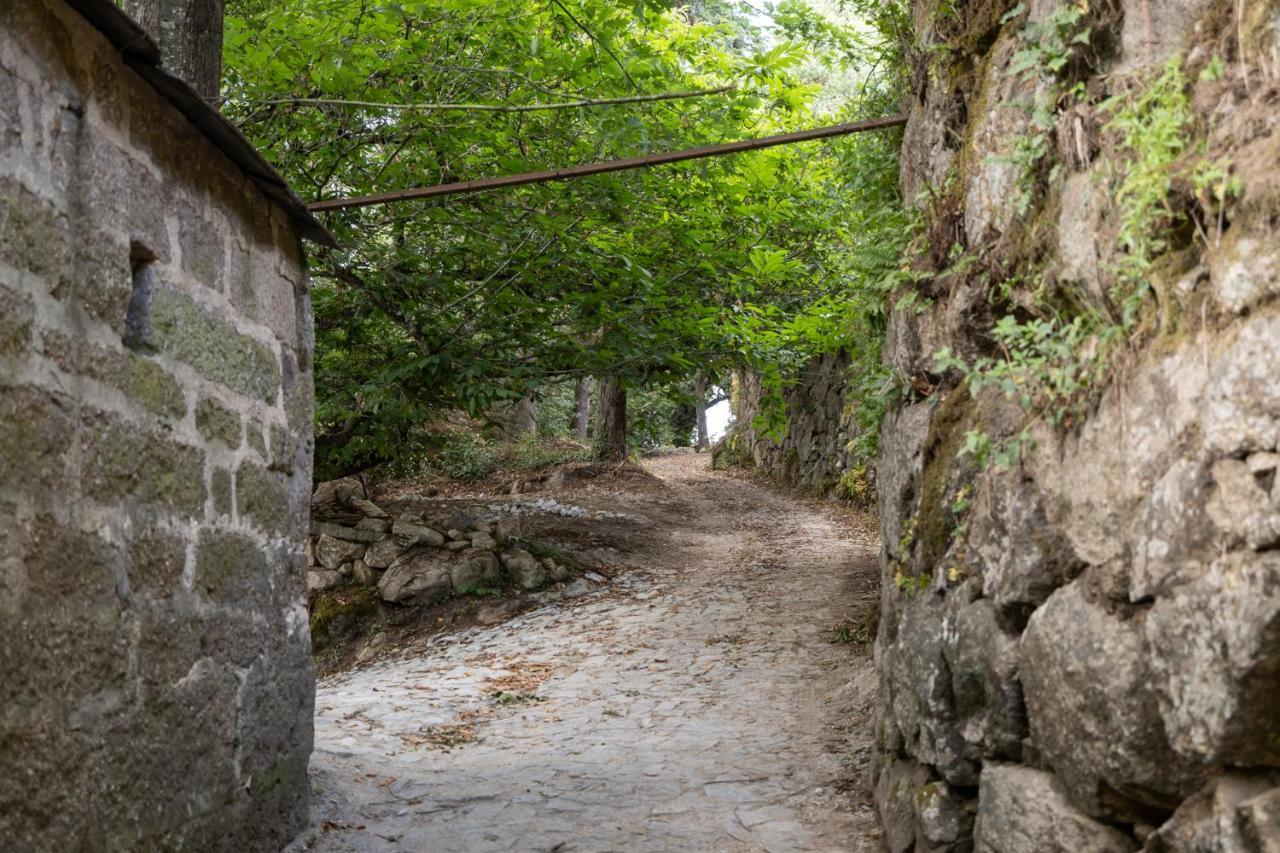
1048,48
466,457
1154,126
470,302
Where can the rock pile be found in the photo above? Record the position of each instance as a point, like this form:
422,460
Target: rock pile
411,559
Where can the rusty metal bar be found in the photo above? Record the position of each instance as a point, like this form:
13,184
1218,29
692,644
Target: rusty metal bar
642,162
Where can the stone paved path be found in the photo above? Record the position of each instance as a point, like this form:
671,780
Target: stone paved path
694,703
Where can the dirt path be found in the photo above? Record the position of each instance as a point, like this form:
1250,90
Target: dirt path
695,703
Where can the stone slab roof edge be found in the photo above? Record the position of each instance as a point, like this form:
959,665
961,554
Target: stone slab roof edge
143,56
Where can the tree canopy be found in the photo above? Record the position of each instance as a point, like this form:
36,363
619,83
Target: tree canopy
759,259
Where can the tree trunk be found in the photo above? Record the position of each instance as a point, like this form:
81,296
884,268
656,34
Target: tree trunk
582,408
700,404
611,427
189,33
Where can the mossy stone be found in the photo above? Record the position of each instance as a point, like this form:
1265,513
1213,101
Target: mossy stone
263,497
218,423
124,462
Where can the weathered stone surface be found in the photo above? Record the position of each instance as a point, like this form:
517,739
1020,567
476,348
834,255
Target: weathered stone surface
35,430
919,686
332,553
1242,399
262,496
342,492
1091,700
341,531
164,319
896,790
218,423
419,577
363,574
369,509
374,525
126,461
995,179
1157,32
483,539
1244,270
410,533
231,567
1020,556
1219,817
322,580
1215,652
383,553
1260,817
1175,535
16,314
1021,810
475,569
983,661
898,470
1245,504
524,568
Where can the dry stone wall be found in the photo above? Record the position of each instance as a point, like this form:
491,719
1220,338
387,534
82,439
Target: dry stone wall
1082,652
414,558
155,420
812,455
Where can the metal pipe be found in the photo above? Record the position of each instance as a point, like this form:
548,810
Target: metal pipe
642,162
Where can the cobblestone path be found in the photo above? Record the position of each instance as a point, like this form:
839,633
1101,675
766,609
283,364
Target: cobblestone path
694,703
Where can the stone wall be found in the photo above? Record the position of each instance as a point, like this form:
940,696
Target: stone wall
1082,652
812,455
155,418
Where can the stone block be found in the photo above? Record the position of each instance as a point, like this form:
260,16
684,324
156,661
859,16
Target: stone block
1021,810
319,581
983,660
124,462
383,553
1215,656
204,250
1220,817
1021,557
1175,535
163,319
409,532
1244,270
232,568
262,497
1090,689
34,236
220,490
157,558
217,423
1242,400
100,283
17,312
1245,505
36,431
475,569
332,553
919,686
419,577
285,448
341,531
253,436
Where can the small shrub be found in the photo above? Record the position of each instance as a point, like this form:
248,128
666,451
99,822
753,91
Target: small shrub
466,458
